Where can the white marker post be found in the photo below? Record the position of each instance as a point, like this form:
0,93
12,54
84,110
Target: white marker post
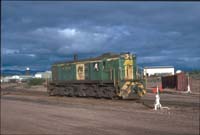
188,87
188,90
157,104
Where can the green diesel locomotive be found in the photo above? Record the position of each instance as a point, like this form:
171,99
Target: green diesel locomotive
107,76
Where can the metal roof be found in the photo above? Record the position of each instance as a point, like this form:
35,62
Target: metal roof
153,67
105,55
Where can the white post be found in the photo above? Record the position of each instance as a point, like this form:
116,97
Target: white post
157,104
188,88
157,90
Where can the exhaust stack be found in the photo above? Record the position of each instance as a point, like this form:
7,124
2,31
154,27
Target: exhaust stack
75,57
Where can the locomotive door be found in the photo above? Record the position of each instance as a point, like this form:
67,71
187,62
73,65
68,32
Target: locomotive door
128,67
80,71
87,71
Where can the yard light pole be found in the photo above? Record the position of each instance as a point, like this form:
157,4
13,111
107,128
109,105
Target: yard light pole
145,78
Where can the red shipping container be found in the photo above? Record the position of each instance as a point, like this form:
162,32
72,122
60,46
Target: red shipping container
178,81
182,82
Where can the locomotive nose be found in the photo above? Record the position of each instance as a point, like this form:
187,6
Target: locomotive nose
132,90
139,89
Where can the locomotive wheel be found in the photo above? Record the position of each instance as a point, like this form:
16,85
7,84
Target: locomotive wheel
61,91
92,92
76,93
82,91
100,93
70,91
87,92
55,91
66,92
50,90
110,92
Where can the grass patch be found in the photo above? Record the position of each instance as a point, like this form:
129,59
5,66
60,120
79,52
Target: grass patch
36,81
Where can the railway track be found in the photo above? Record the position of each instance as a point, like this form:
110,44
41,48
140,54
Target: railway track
148,102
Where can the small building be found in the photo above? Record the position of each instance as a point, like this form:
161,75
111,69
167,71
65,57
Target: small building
158,70
25,78
38,75
16,78
6,79
46,75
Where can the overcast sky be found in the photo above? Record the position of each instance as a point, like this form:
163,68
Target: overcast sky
37,34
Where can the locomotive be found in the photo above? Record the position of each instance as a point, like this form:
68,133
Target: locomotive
107,76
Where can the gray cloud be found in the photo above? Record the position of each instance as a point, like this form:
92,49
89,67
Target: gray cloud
41,33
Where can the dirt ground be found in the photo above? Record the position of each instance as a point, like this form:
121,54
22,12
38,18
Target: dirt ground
29,110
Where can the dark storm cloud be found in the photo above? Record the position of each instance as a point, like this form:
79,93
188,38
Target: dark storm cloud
40,33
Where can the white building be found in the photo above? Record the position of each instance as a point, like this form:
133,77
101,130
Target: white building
16,78
159,70
6,79
38,75
46,74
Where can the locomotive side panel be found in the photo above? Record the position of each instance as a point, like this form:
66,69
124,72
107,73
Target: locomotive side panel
104,70
63,72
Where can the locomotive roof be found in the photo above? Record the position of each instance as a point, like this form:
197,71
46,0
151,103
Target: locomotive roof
103,56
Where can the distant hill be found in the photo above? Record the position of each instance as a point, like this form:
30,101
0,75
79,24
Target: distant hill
195,74
18,72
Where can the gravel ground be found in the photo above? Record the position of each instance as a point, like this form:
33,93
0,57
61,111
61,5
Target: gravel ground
31,111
